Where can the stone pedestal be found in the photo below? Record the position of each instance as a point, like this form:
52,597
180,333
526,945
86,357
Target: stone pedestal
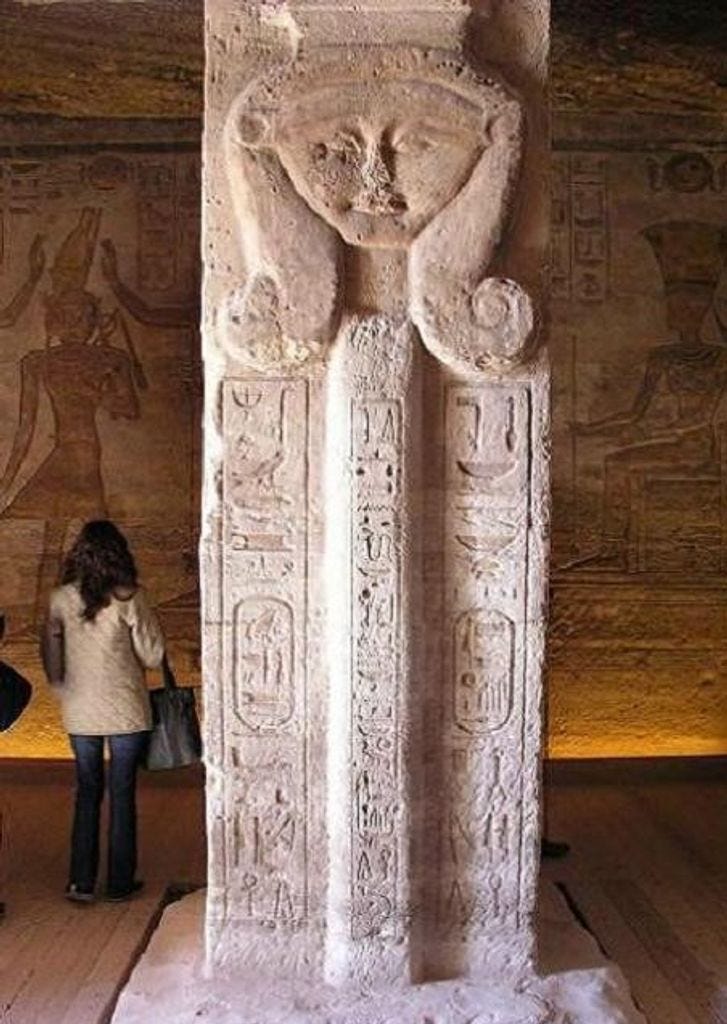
375,517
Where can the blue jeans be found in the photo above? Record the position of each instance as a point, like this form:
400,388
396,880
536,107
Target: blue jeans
127,751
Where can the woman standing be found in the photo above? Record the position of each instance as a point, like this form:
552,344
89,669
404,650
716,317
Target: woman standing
100,635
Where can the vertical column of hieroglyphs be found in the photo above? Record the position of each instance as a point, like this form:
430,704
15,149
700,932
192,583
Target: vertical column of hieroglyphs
487,445
580,231
589,226
481,326
373,405
157,250
256,537
264,664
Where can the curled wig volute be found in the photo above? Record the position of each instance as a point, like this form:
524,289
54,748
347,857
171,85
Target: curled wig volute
284,314
468,320
289,309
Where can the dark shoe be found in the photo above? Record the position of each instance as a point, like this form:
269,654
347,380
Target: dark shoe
122,895
550,850
2,910
76,894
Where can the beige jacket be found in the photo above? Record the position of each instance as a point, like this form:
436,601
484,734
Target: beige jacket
97,668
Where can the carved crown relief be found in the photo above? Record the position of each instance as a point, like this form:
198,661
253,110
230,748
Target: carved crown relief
379,149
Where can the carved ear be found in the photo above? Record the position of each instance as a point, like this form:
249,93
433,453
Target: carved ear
467,320
292,256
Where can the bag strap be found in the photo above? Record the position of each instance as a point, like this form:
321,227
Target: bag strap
170,683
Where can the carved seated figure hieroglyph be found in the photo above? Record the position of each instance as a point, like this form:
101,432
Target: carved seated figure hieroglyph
692,371
409,152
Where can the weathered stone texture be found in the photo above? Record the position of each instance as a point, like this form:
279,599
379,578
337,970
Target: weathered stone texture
102,60
375,496
639,57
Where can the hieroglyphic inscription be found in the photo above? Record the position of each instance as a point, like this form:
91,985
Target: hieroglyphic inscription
378,369
25,180
483,646
376,453
560,229
156,226
266,840
486,520
167,234
266,525
480,839
266,537
264,642
579,230
589,227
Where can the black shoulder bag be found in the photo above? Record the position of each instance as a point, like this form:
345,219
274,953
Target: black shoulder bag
15,693
15,690
175,739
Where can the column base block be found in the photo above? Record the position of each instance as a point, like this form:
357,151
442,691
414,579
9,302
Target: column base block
169,984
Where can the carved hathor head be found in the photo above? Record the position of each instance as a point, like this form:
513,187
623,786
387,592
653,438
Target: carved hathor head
397,149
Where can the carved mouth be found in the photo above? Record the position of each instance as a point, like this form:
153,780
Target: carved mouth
380,206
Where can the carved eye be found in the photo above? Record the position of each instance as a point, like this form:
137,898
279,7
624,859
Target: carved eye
414,142
342,147
252,128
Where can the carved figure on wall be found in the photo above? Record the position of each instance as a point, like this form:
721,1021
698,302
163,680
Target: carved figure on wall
391,153
82,373
18,304
691,257
171,316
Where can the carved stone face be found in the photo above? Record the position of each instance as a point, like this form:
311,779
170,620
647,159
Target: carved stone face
71,317
379,161
686,307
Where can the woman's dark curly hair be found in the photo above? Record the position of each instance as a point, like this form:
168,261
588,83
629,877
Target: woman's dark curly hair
100,562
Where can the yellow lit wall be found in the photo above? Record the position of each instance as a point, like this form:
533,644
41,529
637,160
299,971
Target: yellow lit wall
637,673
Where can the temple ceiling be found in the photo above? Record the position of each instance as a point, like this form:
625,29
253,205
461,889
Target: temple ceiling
639,55
130,60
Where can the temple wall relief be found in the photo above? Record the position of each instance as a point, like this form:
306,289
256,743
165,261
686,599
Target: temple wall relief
640,367
100,386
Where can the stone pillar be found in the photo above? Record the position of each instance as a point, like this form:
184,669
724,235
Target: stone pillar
375,513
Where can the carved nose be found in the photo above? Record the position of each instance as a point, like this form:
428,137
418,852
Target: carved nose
378,195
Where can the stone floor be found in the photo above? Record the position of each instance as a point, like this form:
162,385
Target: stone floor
648,873
61,963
